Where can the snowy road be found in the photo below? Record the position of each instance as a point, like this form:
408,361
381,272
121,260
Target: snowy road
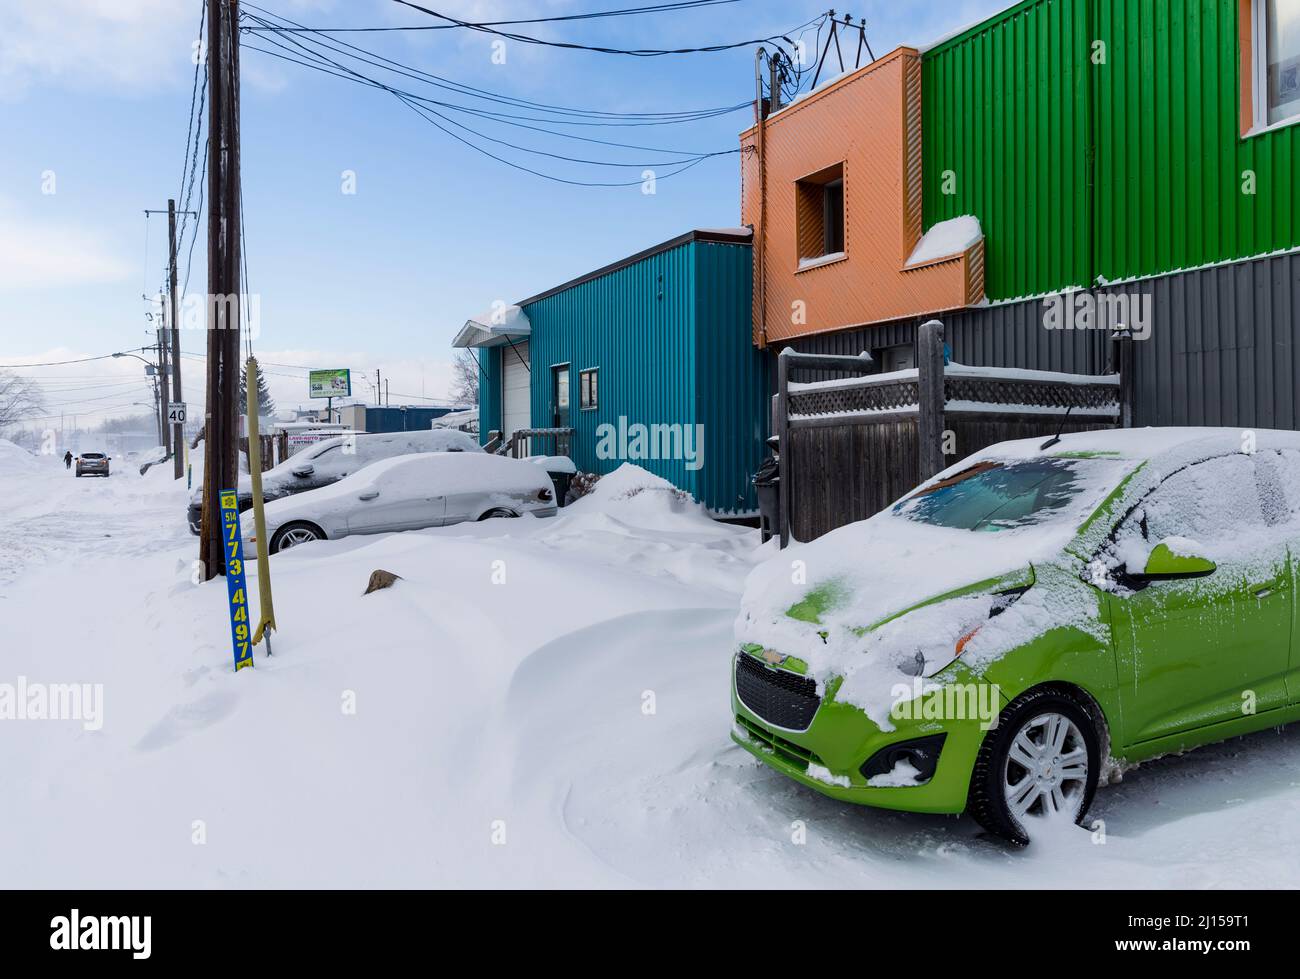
501,733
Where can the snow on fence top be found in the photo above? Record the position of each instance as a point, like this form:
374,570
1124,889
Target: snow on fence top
989,390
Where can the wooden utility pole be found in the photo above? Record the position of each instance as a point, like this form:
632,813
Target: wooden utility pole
221,415
178,432
164,430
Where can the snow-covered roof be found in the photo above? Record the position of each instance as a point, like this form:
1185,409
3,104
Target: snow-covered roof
497,326
947,239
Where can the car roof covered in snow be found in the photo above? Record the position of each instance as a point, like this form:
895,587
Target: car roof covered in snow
1145,444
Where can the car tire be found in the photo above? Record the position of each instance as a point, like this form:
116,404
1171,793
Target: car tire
294,534
1005,791
498,512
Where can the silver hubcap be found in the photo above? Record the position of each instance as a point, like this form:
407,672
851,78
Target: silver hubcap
299,535
1047,769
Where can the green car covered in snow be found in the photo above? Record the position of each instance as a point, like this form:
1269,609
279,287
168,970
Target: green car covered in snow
1030,621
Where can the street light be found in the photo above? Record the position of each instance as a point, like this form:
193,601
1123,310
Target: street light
151,372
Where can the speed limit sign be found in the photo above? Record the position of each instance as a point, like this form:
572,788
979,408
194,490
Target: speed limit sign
176,413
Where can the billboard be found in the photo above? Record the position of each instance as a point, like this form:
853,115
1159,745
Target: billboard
330,384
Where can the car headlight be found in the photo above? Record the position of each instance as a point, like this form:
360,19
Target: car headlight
937,636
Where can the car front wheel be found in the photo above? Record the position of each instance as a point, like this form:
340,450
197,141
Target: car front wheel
499,512
1041,761
295,535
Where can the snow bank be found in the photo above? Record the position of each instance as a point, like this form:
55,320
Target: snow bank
14,457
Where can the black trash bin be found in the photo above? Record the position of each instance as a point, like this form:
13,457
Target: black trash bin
767,482
562,482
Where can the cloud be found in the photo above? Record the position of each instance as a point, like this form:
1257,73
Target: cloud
125,46
41,255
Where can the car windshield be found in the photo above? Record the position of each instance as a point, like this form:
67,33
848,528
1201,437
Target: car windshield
995,496
92,455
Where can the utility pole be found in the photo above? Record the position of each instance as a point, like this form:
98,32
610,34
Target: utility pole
157,400
221,414
165,432
178,463
173,342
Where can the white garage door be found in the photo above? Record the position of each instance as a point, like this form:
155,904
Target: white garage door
516,392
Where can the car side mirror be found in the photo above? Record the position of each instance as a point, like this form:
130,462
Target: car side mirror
368,495
1176,559
302,472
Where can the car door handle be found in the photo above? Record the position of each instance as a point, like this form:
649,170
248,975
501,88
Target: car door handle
1264,593
367,496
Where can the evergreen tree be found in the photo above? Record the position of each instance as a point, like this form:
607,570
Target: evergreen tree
265,403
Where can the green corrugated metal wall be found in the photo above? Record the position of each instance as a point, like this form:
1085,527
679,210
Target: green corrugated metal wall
988,96
1129,168
671,338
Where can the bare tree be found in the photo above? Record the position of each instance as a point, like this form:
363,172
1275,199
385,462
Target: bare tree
20,399
464,378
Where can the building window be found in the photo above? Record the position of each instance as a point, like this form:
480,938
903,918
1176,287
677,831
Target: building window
588,395
1276,54
819,216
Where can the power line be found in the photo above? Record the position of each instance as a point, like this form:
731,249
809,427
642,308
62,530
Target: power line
189,258
626,12
324,63
375,59
59,363
599,49
410,97
190,133
327,66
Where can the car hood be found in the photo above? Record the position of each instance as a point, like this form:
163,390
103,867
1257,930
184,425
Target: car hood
871,601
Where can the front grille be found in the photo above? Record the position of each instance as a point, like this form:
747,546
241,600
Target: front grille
779,697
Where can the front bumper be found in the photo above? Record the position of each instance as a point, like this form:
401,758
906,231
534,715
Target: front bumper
841,739
194,513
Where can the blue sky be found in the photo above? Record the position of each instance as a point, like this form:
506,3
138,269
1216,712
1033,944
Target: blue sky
97,93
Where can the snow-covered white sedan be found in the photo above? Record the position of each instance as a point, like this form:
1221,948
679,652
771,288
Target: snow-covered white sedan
330,460
409,492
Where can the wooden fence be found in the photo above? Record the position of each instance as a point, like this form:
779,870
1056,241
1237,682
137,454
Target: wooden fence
275,449
852,442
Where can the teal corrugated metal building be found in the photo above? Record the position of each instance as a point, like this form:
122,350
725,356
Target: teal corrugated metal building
666,334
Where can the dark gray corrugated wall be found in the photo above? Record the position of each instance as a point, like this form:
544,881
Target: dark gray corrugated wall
1221,350
1223,347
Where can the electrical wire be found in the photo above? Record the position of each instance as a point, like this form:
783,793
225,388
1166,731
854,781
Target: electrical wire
60,363
631,52
626,12
410,98
460,88
328,66
322,62
190,134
